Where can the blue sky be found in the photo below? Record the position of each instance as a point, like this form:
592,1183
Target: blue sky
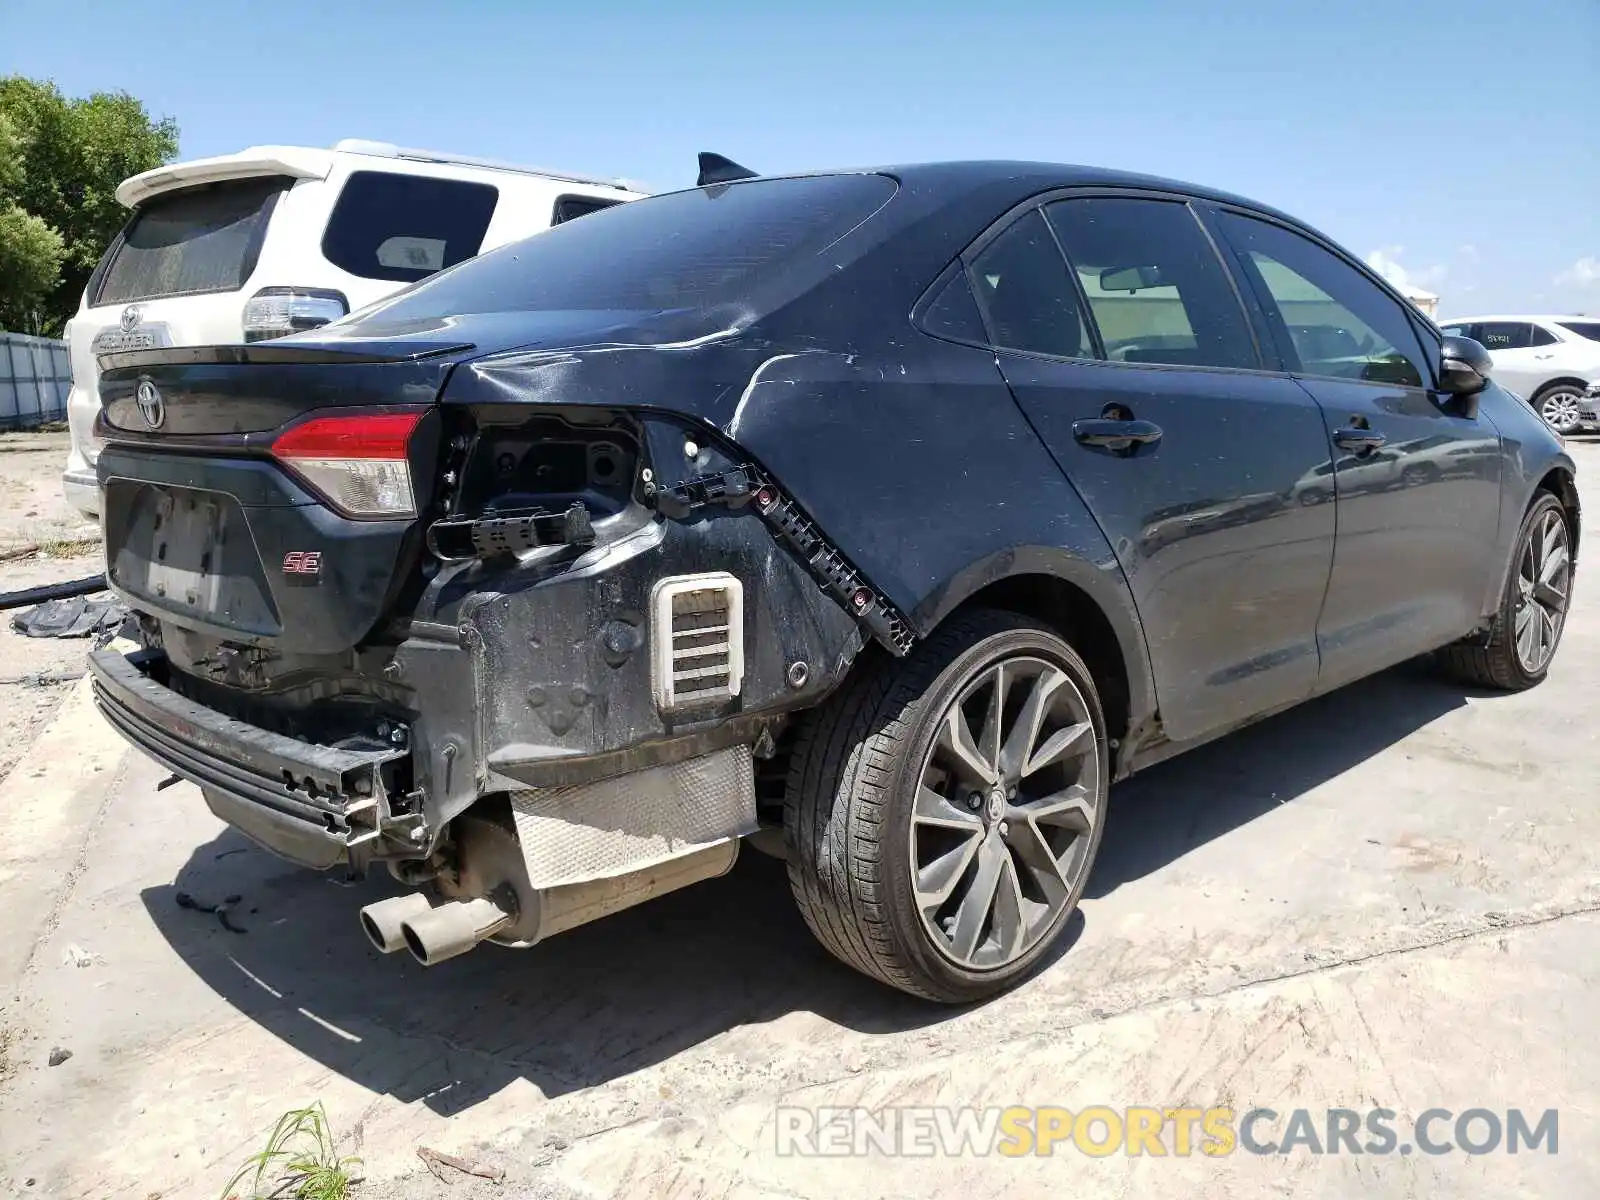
1460,141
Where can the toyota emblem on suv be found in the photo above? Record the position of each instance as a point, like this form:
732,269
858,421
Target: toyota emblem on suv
151,407
130,318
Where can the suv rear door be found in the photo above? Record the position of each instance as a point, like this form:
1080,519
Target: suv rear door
155,285
1145,337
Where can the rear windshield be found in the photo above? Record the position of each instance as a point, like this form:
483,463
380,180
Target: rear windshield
689,249
201,239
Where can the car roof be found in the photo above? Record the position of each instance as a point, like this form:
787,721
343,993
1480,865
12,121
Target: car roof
1032,177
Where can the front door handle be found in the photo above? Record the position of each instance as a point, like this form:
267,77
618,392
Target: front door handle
1116,435
1359,441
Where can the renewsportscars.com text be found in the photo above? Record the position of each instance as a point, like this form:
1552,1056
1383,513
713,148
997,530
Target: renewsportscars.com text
1157,1131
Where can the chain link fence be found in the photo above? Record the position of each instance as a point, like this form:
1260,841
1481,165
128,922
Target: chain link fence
35,375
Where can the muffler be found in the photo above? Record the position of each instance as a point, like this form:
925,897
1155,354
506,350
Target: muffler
490,898
381,922
453,928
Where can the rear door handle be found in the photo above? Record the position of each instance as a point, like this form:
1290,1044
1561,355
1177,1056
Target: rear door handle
1361,441
1115,435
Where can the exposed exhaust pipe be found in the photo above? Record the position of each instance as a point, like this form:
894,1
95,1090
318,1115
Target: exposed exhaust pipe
453,928
382,921
492,897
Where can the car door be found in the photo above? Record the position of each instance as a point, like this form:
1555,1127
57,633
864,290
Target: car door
1138,369
1415,529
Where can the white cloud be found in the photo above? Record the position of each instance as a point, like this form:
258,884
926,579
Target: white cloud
1386,262
1583,273
1467,250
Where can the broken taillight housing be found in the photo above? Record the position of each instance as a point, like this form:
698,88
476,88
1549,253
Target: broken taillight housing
358,463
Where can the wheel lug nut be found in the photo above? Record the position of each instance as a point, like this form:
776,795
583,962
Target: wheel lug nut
975,801
1004,829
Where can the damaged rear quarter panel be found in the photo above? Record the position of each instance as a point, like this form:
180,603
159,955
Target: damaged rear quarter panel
920,467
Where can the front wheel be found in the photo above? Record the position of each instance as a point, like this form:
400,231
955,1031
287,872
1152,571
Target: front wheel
1560,405
944,810
1526,630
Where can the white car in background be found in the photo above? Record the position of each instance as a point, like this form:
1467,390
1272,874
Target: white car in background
1550,360
276,239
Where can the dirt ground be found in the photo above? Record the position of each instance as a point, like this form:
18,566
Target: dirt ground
42,540
1389,897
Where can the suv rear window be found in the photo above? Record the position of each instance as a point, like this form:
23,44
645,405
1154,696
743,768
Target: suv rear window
682,250
183,243
405,227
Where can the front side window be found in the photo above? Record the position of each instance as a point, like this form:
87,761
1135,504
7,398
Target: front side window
1337,321
1026,294
1505,335
405,227
1157,290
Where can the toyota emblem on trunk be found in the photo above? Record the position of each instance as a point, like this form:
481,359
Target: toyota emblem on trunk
130,318
151,407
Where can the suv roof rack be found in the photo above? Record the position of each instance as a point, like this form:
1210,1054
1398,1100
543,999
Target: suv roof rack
390,150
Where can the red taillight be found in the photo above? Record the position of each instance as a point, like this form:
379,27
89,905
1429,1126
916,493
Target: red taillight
382,436
358,462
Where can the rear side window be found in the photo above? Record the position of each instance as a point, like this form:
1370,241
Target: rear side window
405,227
1337,321
953,313
1158,292
185,243
570,208
1589,330
1026,293
690,249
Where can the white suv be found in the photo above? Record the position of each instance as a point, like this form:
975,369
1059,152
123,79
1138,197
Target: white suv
275,239
1550,360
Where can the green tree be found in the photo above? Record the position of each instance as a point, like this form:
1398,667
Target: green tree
67,158
30,251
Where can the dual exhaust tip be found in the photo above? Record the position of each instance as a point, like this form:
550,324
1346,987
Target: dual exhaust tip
432,932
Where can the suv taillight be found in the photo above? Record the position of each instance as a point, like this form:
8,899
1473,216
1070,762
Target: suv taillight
357,462
275,311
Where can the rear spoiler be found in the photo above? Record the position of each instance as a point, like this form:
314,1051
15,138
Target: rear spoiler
297,162
714,168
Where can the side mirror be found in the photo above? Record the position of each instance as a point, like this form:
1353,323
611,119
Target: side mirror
1464,367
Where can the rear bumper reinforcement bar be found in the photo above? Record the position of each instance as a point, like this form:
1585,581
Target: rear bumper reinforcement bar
335,791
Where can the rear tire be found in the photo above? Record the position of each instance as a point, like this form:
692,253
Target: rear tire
1527,628
942,860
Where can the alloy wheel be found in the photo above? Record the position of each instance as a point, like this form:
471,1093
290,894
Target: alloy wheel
1007,802
1544,580
1560,409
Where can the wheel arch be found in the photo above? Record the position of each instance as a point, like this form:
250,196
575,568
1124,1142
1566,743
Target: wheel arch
1562,483
1572,381
1088,605
1557,478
